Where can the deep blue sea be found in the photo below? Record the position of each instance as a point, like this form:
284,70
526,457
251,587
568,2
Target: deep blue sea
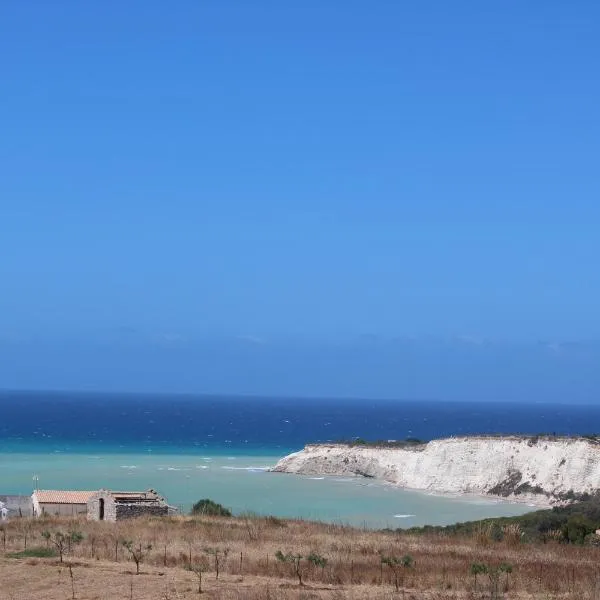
221,448
76,421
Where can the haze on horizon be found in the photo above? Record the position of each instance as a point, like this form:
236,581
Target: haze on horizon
323,199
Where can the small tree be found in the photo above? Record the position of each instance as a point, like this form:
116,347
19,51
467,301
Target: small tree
493,573
478,569
113,539
317,560
137,551
73,537
397,565
198,568
220,556
3,532
507,569
210,508
294,559
72,582
25,526
63,542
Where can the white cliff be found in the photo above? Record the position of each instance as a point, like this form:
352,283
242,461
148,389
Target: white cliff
543,470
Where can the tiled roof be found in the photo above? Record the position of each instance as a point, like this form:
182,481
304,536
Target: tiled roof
62,496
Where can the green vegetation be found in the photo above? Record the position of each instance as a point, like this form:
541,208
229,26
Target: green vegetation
198,569
397,565
493,572
210,508
137,552
33,553
572,524
360,442
296,561
63,542
220,556
411,442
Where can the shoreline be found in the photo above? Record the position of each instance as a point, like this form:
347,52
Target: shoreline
242,484
539,471
532,501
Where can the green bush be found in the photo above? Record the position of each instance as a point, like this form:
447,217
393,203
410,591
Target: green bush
576,529
574,523
33,553
210,508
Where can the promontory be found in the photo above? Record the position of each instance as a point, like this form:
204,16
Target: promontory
539,469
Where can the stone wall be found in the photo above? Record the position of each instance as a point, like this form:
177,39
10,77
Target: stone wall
93,506
130,511
114,511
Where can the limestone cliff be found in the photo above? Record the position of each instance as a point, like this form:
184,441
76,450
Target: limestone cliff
543,470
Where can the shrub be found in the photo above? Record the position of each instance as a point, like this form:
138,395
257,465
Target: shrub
63,542
210,508
33,553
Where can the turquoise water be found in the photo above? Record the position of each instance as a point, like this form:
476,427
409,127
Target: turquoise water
192,447
243,483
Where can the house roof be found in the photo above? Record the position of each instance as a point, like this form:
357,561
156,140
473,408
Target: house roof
62,496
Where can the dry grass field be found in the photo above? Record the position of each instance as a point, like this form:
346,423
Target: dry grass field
100,567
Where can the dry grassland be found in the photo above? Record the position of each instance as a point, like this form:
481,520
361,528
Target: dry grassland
102,568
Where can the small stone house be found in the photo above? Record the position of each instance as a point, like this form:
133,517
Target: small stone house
106,505
60,502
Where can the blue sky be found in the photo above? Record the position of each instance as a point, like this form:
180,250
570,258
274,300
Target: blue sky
306,176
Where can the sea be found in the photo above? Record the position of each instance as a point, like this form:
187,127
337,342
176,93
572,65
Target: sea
220,447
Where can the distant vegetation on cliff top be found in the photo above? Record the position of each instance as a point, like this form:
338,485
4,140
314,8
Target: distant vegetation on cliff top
532,439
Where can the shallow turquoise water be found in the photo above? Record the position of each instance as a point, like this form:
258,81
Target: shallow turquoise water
242,483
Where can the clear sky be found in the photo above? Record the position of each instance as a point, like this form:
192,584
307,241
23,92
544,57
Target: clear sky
308,175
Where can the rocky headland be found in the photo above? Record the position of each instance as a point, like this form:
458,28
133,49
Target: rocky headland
541,470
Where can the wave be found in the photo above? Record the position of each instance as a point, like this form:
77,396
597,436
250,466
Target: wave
128,466
246,468
404,516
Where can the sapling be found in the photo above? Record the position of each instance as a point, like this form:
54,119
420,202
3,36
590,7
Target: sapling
72,582
198,569
493,573
508,569
478,569
397,565
63,542
220,556
25,526
294,559
73,537
318,561
137,551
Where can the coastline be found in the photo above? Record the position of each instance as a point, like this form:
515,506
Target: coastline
242,483
538,471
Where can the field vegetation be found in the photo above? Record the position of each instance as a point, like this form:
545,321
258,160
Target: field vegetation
575,523
266,558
